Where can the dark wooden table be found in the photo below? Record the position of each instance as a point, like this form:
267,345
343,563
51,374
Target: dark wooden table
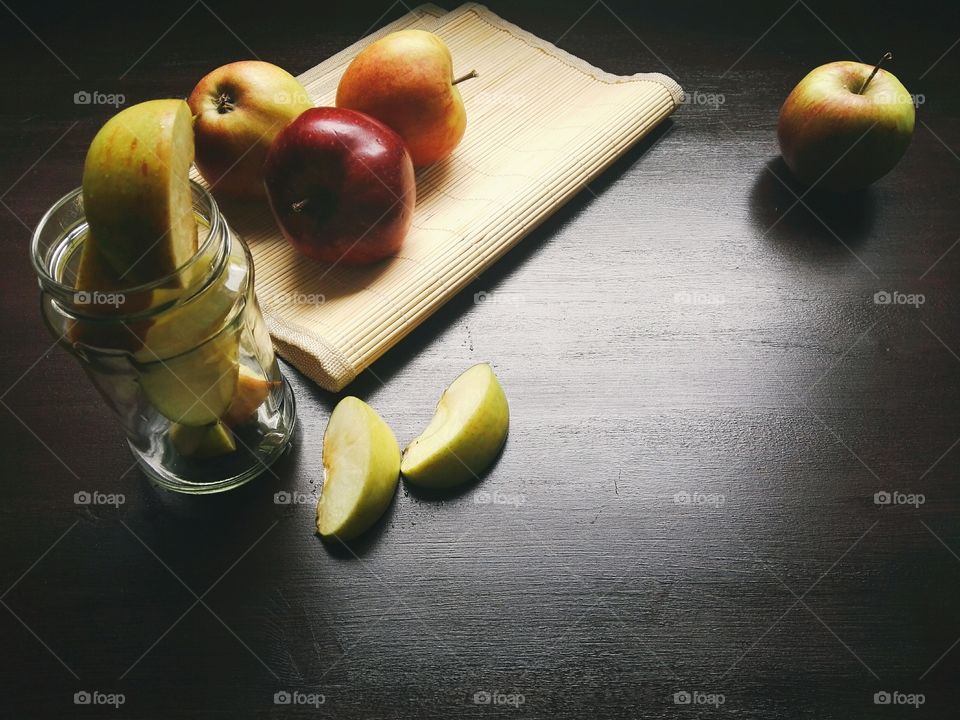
686,325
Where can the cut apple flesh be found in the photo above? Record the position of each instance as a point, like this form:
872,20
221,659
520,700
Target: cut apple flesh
207,441
361,465
197,387
252,392
136,192
465,434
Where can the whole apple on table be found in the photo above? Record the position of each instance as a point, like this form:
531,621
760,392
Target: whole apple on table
845,125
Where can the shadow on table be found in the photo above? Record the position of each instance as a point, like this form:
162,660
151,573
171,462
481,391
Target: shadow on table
425,334
818,219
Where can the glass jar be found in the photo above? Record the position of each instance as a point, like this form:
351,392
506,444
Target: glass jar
185,362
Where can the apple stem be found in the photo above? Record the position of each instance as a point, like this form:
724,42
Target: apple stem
471,74
224,104
876,69
299,205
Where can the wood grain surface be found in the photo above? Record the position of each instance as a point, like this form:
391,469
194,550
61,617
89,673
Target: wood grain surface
685,325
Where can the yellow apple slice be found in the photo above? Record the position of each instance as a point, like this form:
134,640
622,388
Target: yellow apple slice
465,434
252,392
136,194
361,469
204,442
197,387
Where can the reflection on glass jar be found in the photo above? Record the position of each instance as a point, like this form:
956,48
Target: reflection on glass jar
185,362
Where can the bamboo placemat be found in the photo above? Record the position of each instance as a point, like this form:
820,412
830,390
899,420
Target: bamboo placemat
541,123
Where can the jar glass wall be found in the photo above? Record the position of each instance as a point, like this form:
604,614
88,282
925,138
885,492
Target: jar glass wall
185,362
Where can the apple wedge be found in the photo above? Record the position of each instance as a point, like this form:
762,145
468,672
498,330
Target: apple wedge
465,434
252,392
202,443
361,470
136,194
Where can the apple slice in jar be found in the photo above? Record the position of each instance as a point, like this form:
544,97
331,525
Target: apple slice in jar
136,192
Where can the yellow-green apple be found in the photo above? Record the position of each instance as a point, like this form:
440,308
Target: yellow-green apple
139,209
405,79
341,186
239,109
204,442
845,125
137,197
467,431
361,469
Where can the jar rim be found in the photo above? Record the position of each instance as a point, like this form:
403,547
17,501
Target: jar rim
49,282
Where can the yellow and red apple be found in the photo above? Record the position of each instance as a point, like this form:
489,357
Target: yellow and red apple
845,125
238,110
406,81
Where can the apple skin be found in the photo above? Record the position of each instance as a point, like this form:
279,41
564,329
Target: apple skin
405,80
356,178
239,109
840,140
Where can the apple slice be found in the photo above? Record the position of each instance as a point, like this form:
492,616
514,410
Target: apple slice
136,194
197,387
361,470
465,434
252,392
202,443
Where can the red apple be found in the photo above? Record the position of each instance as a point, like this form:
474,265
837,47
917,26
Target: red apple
341,186
238,110
845,125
